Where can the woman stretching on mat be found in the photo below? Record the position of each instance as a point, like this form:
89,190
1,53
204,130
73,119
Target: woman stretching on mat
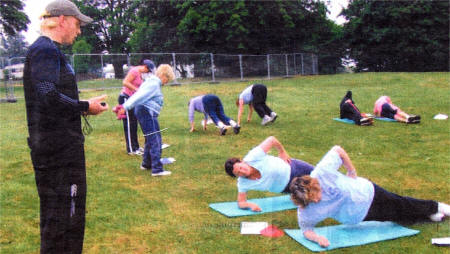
349,199
348,110
385,108
211,106
263,172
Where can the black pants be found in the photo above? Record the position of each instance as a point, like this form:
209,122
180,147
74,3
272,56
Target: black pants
130,125
349,110
387,206
62,193
259,93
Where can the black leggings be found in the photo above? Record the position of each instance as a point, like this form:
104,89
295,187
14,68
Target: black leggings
387,206
259,93
131,138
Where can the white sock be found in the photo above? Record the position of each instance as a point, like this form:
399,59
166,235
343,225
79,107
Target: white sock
273,114
220,124
233,123
444,208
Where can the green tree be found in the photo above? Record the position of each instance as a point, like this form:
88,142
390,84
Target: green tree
12,18
114,22
236,27
81,62
398,35
13,46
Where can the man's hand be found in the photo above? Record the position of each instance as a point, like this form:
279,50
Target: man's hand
95,105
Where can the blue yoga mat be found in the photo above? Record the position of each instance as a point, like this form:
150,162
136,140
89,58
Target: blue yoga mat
268,205
385,119
344,120
341,236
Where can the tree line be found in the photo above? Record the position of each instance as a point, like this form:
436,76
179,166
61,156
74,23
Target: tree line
378,35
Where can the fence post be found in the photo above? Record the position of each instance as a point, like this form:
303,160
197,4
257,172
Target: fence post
128,61
240,67
101,62
212,67
303,70
175,81
295,66
268,66
287,65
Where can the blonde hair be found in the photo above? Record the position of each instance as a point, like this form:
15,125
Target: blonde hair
165,70
48,23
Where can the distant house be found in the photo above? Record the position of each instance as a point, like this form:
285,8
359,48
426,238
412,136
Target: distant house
15,71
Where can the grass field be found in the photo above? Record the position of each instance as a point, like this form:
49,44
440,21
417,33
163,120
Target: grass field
128,211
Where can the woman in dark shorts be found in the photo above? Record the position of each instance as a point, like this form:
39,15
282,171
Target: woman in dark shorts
385,108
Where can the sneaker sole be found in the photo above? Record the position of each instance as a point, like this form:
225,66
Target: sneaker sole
275,118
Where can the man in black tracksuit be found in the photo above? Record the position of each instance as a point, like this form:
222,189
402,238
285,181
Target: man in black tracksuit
54,125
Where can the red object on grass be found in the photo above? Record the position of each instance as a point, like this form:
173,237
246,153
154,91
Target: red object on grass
272,231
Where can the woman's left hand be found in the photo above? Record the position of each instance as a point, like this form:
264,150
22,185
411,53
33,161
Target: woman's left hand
285,156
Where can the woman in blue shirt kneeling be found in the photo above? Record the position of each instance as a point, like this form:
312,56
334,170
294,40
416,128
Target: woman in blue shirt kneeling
327,193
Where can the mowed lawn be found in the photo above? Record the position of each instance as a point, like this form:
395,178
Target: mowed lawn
128,211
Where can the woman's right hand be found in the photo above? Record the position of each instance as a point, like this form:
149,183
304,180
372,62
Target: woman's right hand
323,242
255,207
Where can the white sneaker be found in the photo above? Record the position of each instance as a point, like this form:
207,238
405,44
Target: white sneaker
141,149
437,217
137,152
162,173
444,208
265,120
273,117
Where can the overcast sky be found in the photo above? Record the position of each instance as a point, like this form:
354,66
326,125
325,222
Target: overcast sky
34,8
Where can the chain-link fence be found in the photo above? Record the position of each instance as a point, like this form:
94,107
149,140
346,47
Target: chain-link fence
96,71
196,67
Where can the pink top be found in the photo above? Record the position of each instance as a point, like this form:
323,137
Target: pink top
379,104
137,81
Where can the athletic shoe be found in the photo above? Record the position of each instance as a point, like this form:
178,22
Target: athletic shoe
413,119
236,129
437,217
145,168
273,117
223,130
137,152
265,120
162,173
365,121
444,208
141,149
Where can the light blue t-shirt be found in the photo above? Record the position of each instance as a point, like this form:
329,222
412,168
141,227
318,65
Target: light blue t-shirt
275,172
344,199
247,95
149,95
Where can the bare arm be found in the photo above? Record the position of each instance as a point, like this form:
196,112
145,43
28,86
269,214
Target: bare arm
270,142
240,110
250,111
243,204
312,236
127,82
351,171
